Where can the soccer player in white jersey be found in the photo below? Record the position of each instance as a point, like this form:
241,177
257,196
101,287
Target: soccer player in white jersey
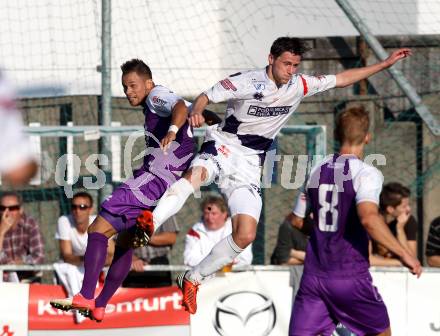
259,103
17,162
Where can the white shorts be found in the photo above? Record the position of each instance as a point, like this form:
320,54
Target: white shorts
237,176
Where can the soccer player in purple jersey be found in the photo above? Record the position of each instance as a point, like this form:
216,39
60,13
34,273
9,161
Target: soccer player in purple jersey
165,119
343,194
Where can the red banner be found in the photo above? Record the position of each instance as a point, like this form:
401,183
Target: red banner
129,307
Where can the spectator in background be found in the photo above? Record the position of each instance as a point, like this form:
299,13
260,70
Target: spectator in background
72,236
292,239
433,244
17,162
156,253
395,208
21,242
215,226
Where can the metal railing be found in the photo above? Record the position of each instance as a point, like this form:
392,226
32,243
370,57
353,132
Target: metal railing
179,268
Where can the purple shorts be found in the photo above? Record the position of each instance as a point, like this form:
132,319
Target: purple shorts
323,302
125,204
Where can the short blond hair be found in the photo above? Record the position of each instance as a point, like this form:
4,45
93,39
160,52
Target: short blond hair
352,125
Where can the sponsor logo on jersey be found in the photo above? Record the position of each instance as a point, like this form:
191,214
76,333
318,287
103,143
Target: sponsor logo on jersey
224,150
227,85
292,81
159,102
258,96
260,86
270,111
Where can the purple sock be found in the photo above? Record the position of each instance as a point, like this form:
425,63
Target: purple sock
94,261
119,269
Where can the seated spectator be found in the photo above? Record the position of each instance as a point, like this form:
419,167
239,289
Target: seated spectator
433,244
72,230
155,253
21,242
72,236
215,226
395,208
292,241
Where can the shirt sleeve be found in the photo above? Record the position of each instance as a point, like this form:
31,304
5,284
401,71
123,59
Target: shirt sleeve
63,229
232,87
411,228
282,249
170,225
36,246
192,253
433,241
368,185
301,204
4,259
316,84
162,101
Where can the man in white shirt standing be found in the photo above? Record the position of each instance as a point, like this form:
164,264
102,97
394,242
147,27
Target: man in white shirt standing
214,226
259,103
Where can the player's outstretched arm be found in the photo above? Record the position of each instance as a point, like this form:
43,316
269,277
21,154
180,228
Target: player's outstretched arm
196,118
352,76
179,115
378,230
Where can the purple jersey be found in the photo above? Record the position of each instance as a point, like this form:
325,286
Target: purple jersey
338,245
159,170
157,110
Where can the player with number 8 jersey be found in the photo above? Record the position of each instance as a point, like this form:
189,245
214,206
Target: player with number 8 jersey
343,195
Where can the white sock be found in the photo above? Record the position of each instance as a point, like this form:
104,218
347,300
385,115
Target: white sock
172,201
223,253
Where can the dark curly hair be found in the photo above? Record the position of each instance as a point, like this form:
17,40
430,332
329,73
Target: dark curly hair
292,44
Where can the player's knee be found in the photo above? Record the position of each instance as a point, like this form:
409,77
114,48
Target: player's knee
243,239
197,175
93,228
100,225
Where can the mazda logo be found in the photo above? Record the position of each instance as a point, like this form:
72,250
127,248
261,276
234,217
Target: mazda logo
244,313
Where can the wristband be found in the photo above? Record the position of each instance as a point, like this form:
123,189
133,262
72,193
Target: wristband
173,128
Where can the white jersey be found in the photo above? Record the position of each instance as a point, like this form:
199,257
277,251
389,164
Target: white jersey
14,145
257,109
199,242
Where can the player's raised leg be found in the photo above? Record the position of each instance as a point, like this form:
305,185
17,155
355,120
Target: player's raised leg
245,217
175,197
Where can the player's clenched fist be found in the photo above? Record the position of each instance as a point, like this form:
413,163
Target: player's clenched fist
398,55
196,120
166,141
